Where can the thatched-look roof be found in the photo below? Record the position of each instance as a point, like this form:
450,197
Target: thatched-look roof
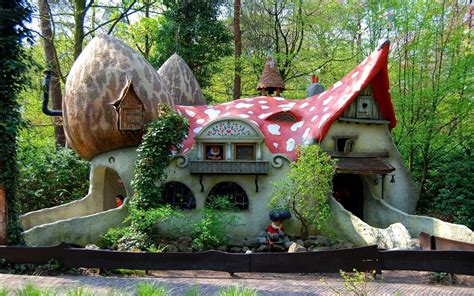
270,78
181,82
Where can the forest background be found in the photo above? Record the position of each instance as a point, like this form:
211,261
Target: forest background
226,42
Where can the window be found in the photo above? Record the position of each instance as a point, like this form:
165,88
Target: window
244,152
235,194
178,195
214,151
344,144
283,117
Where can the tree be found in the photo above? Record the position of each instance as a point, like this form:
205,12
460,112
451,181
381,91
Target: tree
53,65
13,66
193,30
238,49
305,189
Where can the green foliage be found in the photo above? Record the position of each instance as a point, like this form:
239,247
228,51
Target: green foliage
450,190
211,230
357,282
154,154
49,177
193,30
31,290
305,189
150,289
237,291
13,69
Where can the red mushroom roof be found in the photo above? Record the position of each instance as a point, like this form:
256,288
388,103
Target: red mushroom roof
314,115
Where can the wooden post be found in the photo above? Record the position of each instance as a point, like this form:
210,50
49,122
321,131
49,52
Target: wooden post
3,216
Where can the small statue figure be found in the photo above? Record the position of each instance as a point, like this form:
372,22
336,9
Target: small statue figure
276,236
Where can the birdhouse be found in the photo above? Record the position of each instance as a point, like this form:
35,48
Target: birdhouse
130,110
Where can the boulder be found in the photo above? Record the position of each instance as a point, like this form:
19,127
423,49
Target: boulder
296,248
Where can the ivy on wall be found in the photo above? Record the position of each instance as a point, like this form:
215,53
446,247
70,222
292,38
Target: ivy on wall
13,66
154,154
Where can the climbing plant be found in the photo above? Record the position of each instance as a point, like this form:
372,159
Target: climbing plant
163,136
304,190
13,66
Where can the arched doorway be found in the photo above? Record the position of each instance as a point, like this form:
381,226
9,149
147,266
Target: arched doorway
235,194
113,186
348,190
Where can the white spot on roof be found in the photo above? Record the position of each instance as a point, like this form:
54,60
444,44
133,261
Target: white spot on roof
264,115
289,105
200,121
263,102
227,108
323,120
325,102
354,75
249,100
264,107
227,103
226,114
290,144
197,130
279,98
314,117
306,133
243,105
275,145
337,84
274,129
325,109
312,109
296,126
304,105
212,113
243,115
190,113
250,112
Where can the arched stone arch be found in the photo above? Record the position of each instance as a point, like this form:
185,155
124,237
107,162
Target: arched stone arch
236,194
106,186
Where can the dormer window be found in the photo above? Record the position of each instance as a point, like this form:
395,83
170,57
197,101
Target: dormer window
283,117
244,151
344,144
130,110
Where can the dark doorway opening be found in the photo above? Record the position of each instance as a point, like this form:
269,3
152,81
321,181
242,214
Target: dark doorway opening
348,190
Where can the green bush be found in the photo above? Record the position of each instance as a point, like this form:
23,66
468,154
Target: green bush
49,177
211,231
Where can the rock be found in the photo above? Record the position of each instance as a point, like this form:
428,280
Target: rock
348,245
309,243
300,242
318,249
248,252
222,248
92,247
185,239
263,248
172,248
296,248
278,248
235,249
245,249
184,247
322,241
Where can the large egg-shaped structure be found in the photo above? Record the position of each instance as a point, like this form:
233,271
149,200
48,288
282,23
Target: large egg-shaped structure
110,93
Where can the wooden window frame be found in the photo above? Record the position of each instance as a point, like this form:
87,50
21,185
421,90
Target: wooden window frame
254,156
223,147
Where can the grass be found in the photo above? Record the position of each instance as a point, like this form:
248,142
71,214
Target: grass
150,289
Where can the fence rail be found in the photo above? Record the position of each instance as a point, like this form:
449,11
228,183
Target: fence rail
362,259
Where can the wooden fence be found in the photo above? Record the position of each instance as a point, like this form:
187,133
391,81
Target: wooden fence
361,259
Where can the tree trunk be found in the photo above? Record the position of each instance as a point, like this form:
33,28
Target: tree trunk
238,50
3,217
79,15
50,58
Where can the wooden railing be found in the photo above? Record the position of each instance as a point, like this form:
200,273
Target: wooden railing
361,259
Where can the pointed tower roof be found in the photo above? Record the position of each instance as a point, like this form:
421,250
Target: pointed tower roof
270,78
181,82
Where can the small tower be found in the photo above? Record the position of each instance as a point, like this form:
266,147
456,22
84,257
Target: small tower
270,80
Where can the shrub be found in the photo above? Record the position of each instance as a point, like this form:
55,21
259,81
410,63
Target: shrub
304,191
211,231
49,177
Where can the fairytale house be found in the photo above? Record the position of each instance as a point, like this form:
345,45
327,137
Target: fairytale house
236,148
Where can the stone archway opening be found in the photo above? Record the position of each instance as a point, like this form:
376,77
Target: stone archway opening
348,190
235,194
111,187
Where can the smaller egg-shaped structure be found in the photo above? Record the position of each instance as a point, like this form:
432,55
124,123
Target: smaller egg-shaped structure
181,82
110,94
